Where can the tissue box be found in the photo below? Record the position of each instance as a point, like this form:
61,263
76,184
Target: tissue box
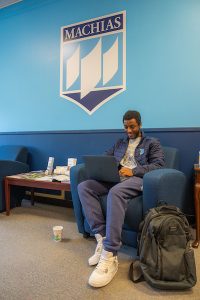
60,170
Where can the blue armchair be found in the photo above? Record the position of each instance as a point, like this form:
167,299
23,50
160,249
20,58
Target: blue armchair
13,160
167,185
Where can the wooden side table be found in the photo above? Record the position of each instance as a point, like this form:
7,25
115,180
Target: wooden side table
18,180
197,204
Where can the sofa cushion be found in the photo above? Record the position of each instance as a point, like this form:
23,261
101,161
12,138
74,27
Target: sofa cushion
13,152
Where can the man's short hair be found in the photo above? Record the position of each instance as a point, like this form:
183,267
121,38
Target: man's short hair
132,114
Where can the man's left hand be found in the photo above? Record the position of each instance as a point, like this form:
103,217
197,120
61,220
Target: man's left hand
126,172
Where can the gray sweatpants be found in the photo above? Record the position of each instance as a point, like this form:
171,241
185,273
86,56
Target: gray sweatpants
117,200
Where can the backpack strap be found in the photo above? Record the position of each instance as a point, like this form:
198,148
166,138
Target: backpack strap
135,272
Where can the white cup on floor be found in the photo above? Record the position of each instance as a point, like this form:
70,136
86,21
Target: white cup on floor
57,232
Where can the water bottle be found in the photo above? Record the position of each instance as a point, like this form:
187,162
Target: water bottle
49,169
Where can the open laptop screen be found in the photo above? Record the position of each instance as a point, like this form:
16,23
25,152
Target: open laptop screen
102,168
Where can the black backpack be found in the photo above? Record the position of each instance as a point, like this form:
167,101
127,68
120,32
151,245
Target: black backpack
166,258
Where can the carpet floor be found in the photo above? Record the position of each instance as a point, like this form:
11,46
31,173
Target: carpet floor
35,267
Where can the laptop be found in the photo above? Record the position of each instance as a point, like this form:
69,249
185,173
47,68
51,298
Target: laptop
102,168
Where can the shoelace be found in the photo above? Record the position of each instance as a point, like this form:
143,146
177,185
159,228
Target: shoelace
103,264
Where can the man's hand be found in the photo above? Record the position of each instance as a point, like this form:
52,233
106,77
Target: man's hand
126,172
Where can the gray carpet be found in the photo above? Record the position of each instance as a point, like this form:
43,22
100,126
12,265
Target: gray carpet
34,266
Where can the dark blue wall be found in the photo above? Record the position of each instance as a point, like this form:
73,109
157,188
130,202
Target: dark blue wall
65,144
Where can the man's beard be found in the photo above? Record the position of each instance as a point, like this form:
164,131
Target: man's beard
136,135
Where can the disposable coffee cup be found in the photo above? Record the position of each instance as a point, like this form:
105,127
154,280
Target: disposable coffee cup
71,162
57,232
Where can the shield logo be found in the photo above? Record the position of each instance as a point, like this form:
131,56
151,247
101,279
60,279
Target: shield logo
93,61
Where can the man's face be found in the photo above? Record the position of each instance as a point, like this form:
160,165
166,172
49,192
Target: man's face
132,128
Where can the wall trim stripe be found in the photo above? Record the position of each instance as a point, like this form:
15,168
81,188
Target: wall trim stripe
183,129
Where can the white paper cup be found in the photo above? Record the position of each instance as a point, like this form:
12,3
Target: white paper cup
57,232
71,162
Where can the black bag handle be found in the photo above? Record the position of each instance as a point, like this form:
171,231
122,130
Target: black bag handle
135,272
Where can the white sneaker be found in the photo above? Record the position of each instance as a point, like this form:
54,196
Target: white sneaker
105,270
94,259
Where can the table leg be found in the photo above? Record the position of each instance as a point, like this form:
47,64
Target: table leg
32,196
7,196
197,214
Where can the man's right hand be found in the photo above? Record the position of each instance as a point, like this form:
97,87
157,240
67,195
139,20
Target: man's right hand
126,172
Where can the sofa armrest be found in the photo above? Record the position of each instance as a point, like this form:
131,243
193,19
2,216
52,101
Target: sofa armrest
77,175
10,167
14,152
164,185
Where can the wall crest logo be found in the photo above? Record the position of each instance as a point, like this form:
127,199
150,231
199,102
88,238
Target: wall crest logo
93,61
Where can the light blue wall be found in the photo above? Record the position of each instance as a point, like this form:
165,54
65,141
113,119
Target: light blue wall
163,65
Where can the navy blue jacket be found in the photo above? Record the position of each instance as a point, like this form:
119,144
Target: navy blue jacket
148,154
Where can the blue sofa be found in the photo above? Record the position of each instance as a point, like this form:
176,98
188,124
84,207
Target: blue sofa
163,185
13,160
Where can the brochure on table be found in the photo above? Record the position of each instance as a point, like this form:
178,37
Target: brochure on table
60,173
40,176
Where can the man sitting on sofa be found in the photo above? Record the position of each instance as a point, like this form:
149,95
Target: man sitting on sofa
136,155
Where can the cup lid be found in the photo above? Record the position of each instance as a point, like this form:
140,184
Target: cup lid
57,227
